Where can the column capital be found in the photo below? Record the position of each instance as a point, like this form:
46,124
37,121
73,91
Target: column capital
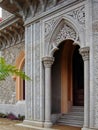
85,53
48,61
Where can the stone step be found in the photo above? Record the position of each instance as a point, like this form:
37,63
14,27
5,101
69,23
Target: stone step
74,113
70,124
78,108
73,118
72,121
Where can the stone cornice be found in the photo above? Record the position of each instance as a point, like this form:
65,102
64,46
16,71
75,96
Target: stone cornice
31,9
11,32
7,22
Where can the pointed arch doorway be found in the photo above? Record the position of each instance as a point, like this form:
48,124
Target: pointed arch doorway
67,78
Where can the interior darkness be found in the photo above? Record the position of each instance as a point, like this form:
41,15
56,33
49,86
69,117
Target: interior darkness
78,78
56,81
23,89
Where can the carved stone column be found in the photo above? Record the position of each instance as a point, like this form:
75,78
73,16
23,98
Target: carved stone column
85,55
48,61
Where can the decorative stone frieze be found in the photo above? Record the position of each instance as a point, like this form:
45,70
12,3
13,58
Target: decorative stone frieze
62,32
32,8
58,29
48,61
66,32
78,14
49,25
85,53
12,34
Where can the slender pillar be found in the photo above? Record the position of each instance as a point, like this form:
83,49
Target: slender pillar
48,61
85,55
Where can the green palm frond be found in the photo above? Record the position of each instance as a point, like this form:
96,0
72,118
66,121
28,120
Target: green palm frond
7,69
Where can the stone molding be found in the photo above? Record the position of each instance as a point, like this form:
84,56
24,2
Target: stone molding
85,53
32,8
63,26
62,32
11,34
48,61
78,14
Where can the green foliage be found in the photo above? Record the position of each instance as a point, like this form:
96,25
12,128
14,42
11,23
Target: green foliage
7,69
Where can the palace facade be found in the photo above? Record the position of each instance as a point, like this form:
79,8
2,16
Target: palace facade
55,42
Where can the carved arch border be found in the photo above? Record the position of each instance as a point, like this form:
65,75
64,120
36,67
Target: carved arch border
74,25
20,61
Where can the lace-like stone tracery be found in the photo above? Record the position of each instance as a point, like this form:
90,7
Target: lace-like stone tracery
66,32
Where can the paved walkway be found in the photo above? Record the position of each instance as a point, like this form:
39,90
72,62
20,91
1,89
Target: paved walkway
6,124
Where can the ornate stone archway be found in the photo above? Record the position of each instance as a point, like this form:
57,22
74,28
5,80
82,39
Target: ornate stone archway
64,31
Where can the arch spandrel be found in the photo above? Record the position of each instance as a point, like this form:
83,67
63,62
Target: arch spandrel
63,30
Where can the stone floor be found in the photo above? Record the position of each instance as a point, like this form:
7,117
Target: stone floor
6,124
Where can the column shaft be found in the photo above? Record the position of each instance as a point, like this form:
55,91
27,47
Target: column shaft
48,61
47,94
85,55
86,94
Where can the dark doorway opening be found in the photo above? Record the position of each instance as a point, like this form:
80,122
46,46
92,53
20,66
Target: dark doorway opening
78,78
67,78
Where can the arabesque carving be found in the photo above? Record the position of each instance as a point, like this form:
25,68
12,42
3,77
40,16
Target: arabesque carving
78,14
66,32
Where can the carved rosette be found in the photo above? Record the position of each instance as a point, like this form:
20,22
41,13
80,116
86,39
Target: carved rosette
48,61
85,53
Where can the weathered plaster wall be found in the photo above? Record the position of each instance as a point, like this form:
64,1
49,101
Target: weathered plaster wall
7,87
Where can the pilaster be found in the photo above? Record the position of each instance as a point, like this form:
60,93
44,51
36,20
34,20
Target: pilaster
34,90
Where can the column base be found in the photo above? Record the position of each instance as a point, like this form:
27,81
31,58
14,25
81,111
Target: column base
48,124
33,123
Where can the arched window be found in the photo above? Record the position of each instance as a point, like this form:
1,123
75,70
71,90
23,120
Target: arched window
20,83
